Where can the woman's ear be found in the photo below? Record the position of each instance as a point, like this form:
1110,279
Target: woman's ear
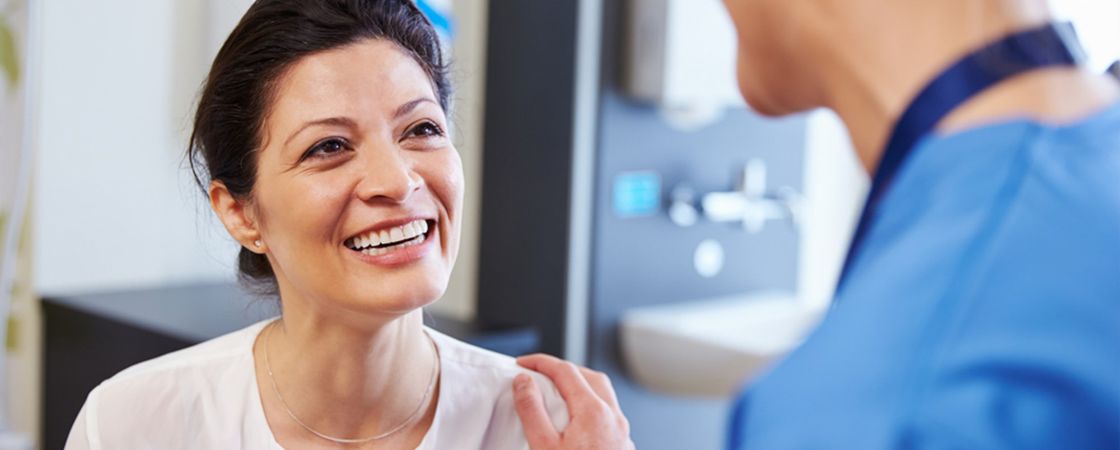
236,216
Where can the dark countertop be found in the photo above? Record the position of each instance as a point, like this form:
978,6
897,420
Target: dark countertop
195,313
192,313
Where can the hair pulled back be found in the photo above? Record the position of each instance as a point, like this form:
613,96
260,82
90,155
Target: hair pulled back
271,37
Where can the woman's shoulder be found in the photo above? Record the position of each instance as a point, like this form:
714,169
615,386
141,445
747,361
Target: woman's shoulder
163,399
454,351
476,395
480,364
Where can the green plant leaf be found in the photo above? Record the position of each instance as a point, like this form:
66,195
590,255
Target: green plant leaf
12,340
9,60
3,232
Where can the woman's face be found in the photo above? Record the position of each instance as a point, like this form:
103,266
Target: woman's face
358,186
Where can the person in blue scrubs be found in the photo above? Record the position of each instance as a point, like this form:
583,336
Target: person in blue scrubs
980,303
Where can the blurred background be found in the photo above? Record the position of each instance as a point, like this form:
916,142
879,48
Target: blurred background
624,209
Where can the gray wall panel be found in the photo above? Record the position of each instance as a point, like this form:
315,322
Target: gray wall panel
648,261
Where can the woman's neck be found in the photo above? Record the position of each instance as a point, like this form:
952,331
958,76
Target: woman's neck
348,381
875,67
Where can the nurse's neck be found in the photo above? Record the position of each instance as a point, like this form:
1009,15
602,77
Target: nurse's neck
878,57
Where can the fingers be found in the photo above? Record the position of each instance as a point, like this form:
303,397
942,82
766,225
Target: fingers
601,384
565,375
533,361
529,404
596,421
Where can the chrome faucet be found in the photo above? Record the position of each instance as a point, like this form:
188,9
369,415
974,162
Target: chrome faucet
751,203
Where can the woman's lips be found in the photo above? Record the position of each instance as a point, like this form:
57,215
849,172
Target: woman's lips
399,254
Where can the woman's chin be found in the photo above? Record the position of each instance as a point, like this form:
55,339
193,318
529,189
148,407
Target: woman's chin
393,299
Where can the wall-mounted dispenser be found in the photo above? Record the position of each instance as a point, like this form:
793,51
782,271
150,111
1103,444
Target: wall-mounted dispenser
680,56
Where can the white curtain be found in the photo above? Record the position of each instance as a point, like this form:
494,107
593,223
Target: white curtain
15,167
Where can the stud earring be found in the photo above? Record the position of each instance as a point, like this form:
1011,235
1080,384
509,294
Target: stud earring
257,243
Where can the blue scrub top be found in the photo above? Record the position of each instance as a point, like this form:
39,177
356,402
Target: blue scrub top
983,311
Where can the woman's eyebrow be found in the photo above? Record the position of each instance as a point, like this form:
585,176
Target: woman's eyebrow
411,105
349,123
334,121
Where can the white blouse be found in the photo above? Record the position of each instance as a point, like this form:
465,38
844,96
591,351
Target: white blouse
206,397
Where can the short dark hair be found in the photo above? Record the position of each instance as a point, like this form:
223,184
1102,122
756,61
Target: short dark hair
240,87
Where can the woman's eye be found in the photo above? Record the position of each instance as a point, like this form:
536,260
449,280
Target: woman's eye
326,148
424,130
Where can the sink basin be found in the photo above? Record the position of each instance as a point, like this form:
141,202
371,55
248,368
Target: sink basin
709,348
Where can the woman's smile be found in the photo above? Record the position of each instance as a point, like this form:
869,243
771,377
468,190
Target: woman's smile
395,242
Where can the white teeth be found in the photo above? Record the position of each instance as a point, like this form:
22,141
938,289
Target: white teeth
407,234
374,251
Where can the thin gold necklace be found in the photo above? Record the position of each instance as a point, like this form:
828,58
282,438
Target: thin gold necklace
408,421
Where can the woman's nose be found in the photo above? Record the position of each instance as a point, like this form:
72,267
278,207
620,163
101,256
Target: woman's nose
386,174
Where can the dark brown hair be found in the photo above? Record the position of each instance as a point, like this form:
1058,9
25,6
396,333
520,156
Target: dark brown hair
270,38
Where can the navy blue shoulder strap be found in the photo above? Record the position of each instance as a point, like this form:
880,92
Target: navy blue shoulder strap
1038,48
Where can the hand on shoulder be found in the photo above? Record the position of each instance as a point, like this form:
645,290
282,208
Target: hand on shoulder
596,420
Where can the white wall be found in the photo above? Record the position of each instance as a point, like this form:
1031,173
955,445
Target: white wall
114,207
1098,26
835,187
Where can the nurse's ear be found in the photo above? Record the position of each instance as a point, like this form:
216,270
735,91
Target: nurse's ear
237,215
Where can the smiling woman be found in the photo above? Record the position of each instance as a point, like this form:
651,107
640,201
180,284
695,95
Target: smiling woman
321,141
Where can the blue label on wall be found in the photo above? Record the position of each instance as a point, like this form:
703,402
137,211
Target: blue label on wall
637,194
439,13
